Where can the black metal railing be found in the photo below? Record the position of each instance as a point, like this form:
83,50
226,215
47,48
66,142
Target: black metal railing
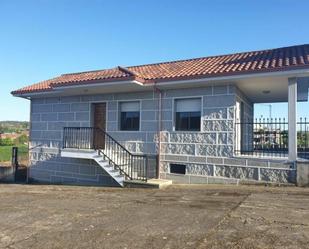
133,166
269,137
78,137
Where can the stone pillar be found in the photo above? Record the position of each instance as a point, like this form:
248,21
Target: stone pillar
302,174
292,107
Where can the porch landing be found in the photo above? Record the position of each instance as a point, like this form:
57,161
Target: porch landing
78,153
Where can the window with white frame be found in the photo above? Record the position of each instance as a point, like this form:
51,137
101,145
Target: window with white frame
188,114
129,116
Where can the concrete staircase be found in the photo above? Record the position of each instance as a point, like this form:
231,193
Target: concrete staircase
130,179
122,165
93,155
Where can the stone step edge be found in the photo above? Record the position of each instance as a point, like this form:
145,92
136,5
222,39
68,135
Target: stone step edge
152,183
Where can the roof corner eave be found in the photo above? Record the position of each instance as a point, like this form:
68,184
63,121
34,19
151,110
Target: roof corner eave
33,94
21,95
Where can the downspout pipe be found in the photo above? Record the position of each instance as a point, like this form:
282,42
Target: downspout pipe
29,140
159,91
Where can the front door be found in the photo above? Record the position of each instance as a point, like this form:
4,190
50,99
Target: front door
99,123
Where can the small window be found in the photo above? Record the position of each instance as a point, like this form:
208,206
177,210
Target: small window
129,116
178,168
188,114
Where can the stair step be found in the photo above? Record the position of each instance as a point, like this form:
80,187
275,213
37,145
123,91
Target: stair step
120,180
114,173
103,162
98,160
120,177
107,166
110,169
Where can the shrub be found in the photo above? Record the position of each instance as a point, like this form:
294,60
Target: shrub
23,139
6,142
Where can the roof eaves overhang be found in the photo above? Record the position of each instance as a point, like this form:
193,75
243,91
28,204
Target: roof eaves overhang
303,72
96,84
60,88
135,79
28,94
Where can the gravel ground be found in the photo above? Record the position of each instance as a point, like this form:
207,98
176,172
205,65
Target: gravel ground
181,216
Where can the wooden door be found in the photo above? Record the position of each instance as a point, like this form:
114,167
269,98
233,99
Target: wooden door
99,123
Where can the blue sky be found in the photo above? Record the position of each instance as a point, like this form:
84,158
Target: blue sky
43,38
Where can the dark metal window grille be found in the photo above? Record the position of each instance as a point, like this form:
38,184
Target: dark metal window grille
188,121
177,168
129,121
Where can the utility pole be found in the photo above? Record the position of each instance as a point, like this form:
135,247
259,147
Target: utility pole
270,114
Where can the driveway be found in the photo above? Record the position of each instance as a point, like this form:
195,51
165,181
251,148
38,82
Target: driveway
200,216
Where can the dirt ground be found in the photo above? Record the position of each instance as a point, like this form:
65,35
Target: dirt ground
213,216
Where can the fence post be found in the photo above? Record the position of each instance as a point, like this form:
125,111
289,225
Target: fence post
259,173
157,166
147,167
15,160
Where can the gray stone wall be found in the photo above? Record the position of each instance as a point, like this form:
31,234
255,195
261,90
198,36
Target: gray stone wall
50,115
302,173
48,166
229,170
215,141
216,138
217,123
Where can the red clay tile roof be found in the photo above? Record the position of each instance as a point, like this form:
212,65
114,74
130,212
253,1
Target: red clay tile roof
279,59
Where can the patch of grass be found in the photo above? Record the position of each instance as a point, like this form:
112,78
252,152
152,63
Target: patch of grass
6,152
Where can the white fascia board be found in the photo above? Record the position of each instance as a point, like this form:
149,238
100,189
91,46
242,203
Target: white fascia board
139,83
59,89
33,94
89,85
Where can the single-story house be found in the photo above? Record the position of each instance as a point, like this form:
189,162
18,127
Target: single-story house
191,121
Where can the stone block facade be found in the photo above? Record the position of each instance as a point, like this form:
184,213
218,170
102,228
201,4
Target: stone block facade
205,152
229,170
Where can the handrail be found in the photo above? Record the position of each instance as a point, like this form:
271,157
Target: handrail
125,160
133,166
114,140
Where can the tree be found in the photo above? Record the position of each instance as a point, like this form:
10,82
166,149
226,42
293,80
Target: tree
23,139
6,142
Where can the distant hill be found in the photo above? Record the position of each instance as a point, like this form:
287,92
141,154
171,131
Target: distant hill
13,126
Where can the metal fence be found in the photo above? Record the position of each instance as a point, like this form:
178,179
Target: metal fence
16,171
269,137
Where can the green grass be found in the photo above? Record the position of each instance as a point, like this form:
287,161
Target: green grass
6,152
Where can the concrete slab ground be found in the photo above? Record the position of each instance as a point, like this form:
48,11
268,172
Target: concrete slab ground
151,183
179,216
